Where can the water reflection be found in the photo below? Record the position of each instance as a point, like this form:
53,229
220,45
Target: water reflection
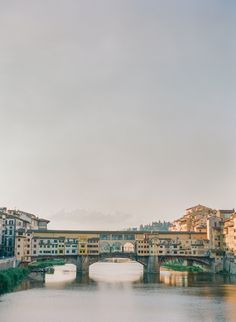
116,272
127,272
174,279
62,274
170,296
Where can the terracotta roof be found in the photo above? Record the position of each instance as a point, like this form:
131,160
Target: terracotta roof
199,205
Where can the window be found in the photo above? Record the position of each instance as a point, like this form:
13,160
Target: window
104,236
117,237
129,237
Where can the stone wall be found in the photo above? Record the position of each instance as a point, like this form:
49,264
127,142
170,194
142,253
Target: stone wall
7,263
230,265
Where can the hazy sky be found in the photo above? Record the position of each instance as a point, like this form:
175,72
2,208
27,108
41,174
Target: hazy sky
117,112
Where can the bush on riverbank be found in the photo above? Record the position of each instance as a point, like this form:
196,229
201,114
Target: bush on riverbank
10,278
183,268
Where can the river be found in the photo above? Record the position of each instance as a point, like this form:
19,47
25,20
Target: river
118,292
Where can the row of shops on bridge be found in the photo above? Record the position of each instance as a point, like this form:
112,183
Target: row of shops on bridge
33,244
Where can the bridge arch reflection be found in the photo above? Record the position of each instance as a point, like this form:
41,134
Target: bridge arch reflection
116,270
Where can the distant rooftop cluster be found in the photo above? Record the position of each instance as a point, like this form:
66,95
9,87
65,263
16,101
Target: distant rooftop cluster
195,218
154,226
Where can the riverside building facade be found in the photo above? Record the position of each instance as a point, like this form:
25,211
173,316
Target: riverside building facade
11,223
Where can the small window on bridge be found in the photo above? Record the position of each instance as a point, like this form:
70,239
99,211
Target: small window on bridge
105,237
129,237
117,237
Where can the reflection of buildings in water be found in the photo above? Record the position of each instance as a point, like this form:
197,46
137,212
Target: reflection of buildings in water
174,278
29,284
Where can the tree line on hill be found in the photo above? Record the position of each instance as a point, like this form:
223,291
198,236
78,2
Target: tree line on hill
154,226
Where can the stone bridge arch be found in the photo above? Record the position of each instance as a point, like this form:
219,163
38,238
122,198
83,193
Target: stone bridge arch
189,261
83,262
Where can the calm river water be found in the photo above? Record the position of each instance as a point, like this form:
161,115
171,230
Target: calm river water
118,292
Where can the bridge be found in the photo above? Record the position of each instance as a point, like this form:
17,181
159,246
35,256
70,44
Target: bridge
84,248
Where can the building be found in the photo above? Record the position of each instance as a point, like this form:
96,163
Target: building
14,221
23,245
194,219
215,233
11,225
34,221
35,243
230,235
1,234
225,214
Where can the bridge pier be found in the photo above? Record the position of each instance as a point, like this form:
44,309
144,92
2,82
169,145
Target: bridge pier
153,265
151,278
84,261
189,262
82,264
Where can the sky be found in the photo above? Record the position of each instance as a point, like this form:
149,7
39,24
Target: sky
117,113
